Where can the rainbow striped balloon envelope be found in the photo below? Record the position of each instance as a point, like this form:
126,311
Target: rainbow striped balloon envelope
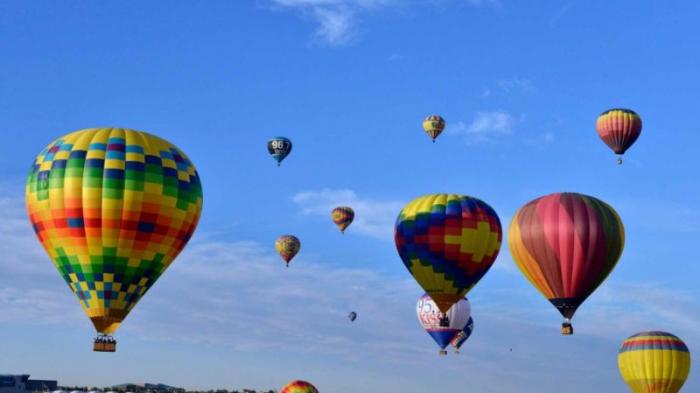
619,128
299,387
566,244
447,242
113,208
654,362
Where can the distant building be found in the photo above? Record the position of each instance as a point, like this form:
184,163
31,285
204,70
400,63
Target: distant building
149,387
22,384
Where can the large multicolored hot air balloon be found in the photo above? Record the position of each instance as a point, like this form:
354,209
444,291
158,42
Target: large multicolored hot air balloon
430,317
433,126
619,129
566,244
287,246
654,362
447,242
462,336
299,387
113,208
279,148
342,216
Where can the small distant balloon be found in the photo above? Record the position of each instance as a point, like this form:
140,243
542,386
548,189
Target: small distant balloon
287,246
352,316
342,216
431,318
433,126
619,129
279,148
299,386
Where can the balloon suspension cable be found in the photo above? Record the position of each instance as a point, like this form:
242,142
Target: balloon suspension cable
567,328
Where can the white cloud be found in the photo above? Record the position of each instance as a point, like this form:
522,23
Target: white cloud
233,286
337,19
515,84
486,127
237,295
373,218
508,86
622,309
334,24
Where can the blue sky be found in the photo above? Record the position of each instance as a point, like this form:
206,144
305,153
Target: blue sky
349,81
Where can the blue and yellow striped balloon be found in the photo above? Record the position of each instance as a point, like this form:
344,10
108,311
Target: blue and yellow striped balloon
654,362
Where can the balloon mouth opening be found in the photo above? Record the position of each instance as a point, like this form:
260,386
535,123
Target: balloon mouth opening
104,343
106,322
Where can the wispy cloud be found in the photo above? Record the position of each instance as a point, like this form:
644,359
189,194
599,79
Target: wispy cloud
335,18
237,295
373,218
515,84
338,19
486,127
509,86
247,286
622,309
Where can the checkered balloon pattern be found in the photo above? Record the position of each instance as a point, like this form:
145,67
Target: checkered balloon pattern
113,208
447,242
299,387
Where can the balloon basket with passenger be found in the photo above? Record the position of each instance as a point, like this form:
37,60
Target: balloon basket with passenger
104,343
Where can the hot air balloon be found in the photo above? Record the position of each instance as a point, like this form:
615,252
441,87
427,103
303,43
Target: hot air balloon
352,316
342,217
279,148
112,207
299,387
287,246
447,242
619,129
566,244
430,317
462,336
433,126
654,362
